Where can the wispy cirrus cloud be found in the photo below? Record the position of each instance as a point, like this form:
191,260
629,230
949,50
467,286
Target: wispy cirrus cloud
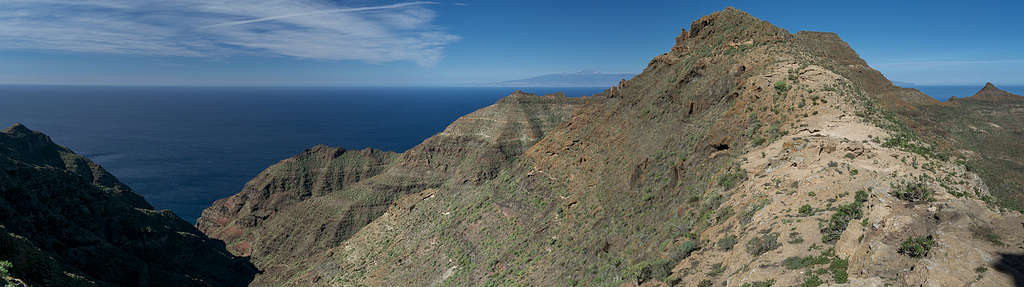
216,28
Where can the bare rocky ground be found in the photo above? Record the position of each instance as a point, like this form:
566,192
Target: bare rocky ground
823,162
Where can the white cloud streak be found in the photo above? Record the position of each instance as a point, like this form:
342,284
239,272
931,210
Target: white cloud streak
264,19
310,29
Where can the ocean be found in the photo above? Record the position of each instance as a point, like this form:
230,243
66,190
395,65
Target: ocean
184,147
943,93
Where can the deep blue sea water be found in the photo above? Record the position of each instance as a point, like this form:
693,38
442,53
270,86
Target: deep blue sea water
182,148
943,93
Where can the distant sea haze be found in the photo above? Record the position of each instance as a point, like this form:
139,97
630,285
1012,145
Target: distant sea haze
182,148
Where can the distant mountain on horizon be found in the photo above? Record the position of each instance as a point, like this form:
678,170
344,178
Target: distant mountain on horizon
577,79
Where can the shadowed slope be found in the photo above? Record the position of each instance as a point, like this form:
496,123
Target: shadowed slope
64,221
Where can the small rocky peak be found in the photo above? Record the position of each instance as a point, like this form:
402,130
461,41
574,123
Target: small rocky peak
990,87
991,93
719,22
730,27
18,129
556,95
517,96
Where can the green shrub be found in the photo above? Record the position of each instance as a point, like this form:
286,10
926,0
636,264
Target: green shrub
795,238
5,271
917,246
727,242
686,248
811,281
768,283
716,270
5,268
797,262
838,268
729,180
756,141
706,283
913,192
781,87
839,220
806,210
762,244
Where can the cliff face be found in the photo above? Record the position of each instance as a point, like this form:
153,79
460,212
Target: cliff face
744,155
64,221
298,209
239,219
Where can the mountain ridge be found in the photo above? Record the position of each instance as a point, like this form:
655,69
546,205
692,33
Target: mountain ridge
745,155
715,144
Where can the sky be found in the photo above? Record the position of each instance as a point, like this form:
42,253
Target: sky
464,42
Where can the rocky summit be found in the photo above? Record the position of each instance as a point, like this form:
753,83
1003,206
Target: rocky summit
745,155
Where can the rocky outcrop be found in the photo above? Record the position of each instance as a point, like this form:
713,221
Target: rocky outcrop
296,210
238,220
477,145
990,93
65,221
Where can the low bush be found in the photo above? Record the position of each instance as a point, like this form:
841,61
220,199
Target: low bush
838,268
727,242
917,246
781,87
838,222
762,244
768,283
716,270
806,210
913,192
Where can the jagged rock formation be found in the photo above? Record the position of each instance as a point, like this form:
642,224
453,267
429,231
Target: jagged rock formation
297,210
65,221
744,155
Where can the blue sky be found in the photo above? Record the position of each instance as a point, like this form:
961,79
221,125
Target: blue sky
370,43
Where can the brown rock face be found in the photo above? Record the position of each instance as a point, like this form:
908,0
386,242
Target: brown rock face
297,209
314,172
477,145
64,221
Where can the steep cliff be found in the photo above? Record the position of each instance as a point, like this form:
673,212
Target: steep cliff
65,221
296,210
